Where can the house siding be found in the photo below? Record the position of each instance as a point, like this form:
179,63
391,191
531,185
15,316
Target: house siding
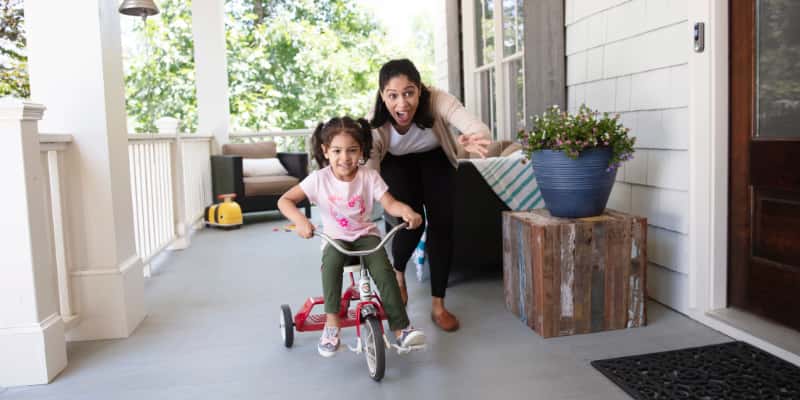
630,57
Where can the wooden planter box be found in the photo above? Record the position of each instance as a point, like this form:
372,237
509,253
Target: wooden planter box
568,276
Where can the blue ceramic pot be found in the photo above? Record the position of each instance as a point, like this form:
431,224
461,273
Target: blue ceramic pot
574,188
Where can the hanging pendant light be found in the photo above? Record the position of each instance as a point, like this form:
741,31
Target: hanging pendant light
138,8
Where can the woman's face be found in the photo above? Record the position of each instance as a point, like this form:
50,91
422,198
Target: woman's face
401,97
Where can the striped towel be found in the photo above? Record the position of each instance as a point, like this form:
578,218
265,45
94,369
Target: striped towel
512,179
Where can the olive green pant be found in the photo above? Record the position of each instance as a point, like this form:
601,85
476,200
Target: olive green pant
333,263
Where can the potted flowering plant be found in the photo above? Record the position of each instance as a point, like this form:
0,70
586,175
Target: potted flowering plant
575,158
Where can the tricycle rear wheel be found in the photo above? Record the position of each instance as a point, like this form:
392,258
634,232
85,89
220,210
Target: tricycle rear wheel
287,325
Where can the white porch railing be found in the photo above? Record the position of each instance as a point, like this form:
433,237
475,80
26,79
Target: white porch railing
170,187
52,149
273,135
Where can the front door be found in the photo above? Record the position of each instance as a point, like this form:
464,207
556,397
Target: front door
764,225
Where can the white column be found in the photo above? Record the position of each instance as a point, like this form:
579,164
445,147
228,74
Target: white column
211,68
32,345
75,65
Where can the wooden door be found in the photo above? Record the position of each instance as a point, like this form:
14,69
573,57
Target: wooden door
764,225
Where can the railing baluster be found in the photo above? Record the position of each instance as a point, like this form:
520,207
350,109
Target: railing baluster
56,205
51,148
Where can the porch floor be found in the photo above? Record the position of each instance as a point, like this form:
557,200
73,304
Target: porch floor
212,333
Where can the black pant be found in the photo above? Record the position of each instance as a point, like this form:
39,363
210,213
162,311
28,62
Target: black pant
424,179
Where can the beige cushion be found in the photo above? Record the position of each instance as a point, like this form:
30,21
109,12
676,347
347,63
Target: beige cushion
262,167
511,148
267,149
268,185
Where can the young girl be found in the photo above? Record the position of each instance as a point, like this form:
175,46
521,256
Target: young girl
345,193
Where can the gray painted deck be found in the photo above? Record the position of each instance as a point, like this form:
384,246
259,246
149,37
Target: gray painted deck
212,333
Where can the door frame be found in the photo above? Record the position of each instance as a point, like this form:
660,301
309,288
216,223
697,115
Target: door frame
709,174
708,158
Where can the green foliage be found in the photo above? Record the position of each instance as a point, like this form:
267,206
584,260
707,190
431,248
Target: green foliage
291,64
160,80
573,133
13,62
310,60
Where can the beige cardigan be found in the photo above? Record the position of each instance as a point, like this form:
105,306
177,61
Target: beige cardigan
447,110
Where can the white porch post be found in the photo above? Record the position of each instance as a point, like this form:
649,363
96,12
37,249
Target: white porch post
75,65
211,68
32,345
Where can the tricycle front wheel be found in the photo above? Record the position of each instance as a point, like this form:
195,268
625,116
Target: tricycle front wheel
373,347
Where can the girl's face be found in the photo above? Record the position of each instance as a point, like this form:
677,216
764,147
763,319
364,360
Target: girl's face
401,97
343,154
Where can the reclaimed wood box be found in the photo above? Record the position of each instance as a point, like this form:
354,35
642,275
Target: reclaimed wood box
568,276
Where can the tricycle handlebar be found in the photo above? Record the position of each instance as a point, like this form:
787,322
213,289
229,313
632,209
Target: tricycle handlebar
358,253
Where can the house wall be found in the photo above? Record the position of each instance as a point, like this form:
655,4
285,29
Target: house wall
630,57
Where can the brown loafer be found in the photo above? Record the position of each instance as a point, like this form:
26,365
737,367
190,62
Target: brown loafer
446,321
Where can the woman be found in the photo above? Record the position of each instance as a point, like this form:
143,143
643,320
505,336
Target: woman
417,155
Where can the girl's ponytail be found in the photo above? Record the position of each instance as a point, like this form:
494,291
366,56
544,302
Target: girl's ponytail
365,131
316,146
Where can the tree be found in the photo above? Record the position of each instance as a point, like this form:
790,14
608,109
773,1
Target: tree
160,80
13,62
290,64
310,60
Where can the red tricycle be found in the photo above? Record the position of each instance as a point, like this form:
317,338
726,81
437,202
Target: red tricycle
368,310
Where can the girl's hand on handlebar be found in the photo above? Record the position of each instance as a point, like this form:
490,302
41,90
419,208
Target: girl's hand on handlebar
412,219
305,230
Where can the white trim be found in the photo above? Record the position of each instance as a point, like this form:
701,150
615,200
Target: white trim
152,137
500,107
55,138
708,157
288,132
505,118
740,334
483,68
514,57
468,36
719,157
708,183
36,351
32,328
17,109
132,261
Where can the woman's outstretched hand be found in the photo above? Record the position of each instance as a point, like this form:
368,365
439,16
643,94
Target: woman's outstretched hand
412,219
475,143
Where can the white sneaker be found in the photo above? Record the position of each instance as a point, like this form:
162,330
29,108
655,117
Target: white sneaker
329,342
411,337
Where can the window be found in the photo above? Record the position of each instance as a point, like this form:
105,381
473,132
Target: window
494,68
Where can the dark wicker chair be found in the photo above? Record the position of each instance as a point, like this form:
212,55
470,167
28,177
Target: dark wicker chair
257,193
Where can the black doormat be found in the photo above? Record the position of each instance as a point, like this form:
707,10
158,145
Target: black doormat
732,370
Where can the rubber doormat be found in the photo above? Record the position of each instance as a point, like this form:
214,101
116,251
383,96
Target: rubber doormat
729,371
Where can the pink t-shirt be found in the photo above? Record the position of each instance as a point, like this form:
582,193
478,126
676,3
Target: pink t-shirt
345,207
